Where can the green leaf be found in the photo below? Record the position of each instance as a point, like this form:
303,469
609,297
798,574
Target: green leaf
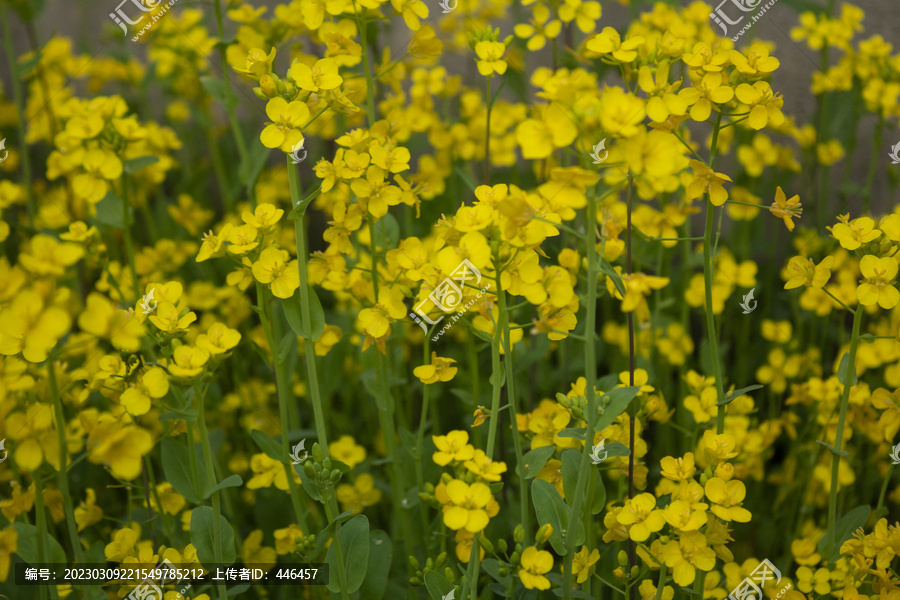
249,172
293,312
284,347
551,508
110,212
380,553
309,486
492,567
575,594
218,89
177,469
387,232
467,179
579,433
843,531
26,547
232,481
326,534
300,210
174,415
136,164
354,542
571,460
842,371
607,382
607,269
616,449
437,585
535,459
599,499
269,445
730,396
619,399
498,378
24,67
833,450
203,521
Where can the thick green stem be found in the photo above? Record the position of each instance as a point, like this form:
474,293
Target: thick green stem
126,232
873,163
211,482
632,406
331,514
849,373
708,285
590,364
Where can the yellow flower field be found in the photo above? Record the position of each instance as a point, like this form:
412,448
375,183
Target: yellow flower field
448,300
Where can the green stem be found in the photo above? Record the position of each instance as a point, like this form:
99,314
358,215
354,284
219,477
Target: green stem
211,482
487,132
285,396
708,284
839,434
20,112
41,527
126,231
229,92
370,92
420,442
884,486
873,163
331,514
62,480
590,365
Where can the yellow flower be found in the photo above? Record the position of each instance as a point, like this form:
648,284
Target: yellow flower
361,494
47,257
8,545
877,287
154,383
28,327
118,445
438,370
254,552
609,41
171,501
484,468
346,450
490,56
331,335
122,544
453,447
267,471
804,272
535,563
726,498
540,29
218,339
538,138
264,218
807,581
678,469
687,555
855,233
707,180
684,516
321,76
87,513
287,119
258,63
643,517
187,362
718,447
583,563
286,539
466,507
168,318
712,89
786,209
275,269
765,105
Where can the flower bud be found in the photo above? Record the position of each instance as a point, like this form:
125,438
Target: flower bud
415,581
543,534
519,533
622,558
413,563
326,464
309,470
317,454
441,559
502,546
515,558
486,544
635,570
725,471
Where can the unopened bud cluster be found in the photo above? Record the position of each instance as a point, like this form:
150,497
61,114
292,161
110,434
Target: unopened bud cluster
418,576
320,470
